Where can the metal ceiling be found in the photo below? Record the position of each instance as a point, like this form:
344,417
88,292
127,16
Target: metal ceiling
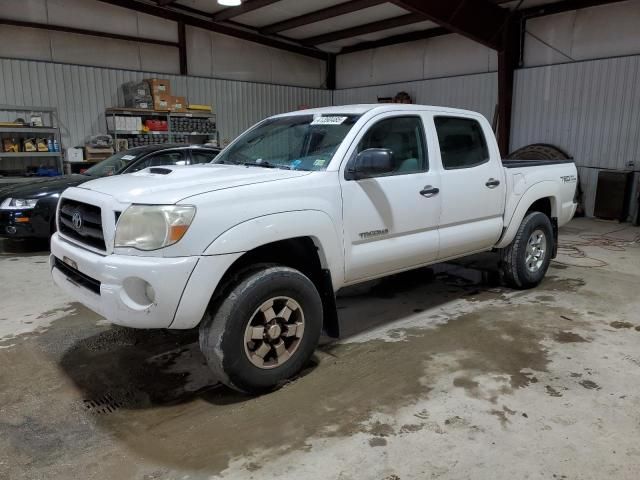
318,28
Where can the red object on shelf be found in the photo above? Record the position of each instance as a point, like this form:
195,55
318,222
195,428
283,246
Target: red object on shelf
157,125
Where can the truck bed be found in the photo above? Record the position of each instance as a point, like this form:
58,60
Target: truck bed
514,163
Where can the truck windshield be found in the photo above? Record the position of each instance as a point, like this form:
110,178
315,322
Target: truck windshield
295,142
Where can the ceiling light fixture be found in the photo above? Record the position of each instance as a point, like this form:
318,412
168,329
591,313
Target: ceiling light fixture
230,3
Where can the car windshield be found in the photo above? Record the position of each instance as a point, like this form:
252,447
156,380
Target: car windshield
113,165
295,142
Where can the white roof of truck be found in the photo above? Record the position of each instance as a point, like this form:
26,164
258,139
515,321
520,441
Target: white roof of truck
377,107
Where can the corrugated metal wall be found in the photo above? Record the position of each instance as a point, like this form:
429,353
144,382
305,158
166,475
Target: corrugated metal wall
81,95
474,92
590,109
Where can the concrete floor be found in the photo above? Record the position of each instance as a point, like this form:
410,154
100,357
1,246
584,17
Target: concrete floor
438,376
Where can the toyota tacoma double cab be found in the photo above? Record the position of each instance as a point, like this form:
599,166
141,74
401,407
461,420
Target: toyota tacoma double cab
252,248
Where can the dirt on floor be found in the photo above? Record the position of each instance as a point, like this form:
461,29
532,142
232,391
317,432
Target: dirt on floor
441,373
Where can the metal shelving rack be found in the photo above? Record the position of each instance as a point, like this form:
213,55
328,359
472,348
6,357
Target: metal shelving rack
165,115
31,158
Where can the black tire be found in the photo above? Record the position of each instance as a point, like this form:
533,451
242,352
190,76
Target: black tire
539,151
222,331
513,257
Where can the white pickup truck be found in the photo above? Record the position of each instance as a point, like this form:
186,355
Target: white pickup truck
253,247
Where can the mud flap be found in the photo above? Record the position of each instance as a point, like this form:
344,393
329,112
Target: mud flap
331,324
554,226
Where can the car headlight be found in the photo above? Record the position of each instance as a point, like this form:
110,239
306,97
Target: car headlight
19,203
150,227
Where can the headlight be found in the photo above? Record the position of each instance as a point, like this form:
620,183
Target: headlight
150,227
19,203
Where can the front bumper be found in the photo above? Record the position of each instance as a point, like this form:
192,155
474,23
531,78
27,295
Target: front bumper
22,224
183,286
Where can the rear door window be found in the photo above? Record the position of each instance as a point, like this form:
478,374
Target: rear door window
462,142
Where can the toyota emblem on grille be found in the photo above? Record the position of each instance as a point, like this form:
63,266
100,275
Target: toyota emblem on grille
76,219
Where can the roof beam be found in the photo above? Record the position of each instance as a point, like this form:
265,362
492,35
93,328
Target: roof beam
225,29
479,20
246,7
163,3
402,38
563,6
319,15
400,21
82,31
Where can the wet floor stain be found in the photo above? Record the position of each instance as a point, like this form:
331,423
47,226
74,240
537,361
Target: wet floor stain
545,298
412,427
503,415
377,442
552,391
568,337
618,324
589,385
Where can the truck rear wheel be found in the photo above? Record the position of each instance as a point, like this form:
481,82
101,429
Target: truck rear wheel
264,331
526,260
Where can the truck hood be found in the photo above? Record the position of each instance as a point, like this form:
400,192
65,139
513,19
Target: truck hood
170,184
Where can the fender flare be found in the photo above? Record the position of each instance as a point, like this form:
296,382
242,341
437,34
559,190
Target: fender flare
259,231
544,189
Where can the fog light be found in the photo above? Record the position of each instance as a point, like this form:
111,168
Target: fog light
150,292
10,230
138,293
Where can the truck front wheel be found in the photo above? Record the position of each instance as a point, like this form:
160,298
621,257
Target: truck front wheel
264,331
526,260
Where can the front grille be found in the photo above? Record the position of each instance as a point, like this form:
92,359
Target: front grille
88,230
77,277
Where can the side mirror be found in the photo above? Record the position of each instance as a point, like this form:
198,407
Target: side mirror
372,162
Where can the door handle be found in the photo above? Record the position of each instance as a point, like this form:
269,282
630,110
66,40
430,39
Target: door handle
429,191
492,183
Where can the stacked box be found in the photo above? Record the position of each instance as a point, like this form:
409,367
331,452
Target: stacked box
160,92
178,104
161,102
137,95
159,86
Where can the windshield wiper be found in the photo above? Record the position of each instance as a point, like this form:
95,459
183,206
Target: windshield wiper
266,165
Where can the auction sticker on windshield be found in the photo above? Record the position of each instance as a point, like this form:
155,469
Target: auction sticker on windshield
328,120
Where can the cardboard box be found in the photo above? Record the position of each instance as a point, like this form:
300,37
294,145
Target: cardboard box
98,154
159,86
178,104
74,155
161,102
